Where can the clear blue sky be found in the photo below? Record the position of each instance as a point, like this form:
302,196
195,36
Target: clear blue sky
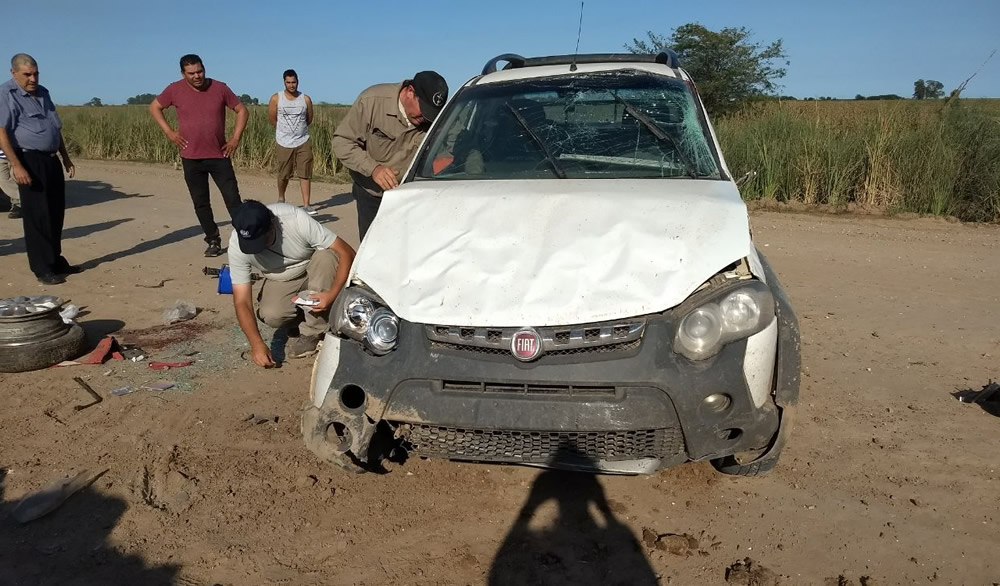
115,49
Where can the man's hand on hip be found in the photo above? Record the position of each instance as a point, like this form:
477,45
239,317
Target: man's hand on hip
385,177
230,147
176,138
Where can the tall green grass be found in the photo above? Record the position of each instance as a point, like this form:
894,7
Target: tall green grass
901,156
128,133
896,156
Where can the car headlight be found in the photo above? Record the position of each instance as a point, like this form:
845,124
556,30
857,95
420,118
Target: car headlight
737,313
360,315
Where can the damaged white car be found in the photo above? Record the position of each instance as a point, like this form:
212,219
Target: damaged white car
566,278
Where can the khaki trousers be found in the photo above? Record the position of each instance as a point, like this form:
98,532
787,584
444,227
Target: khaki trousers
7,184
274,299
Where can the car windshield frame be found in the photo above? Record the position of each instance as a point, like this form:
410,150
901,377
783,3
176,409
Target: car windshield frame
623,89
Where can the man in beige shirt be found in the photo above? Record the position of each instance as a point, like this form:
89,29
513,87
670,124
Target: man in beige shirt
378,138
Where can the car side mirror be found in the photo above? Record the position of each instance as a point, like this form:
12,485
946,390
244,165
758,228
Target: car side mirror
746,177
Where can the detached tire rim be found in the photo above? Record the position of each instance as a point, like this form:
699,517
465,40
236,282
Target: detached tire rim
29,320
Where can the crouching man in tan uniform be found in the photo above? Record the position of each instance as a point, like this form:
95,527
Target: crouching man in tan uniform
294,253
378,138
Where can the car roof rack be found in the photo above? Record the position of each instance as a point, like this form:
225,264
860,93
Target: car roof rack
514,61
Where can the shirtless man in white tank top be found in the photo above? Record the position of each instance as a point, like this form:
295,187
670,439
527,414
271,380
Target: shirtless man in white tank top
290,112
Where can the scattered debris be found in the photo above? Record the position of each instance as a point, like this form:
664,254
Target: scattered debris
157,286
106,349
178,312
159,386
44,501
122,391
50,414
988,397
157,365
747,572
133,352
69,313
93,393
214,272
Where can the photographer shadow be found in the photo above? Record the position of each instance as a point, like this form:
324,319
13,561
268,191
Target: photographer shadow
71,545
584,544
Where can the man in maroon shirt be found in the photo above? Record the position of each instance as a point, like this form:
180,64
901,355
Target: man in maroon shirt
201,104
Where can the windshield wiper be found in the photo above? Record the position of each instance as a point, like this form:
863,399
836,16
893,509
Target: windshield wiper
558,170
659,133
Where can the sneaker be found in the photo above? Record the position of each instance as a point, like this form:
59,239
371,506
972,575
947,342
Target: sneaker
213,249
311,210
15,212
51,280
302,346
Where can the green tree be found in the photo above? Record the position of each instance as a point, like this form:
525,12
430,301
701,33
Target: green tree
919,90
141,99
935,89
248,101
727,65
94,102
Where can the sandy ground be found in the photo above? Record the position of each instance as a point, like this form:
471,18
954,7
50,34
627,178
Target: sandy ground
887,479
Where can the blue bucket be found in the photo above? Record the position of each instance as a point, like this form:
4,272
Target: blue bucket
225,281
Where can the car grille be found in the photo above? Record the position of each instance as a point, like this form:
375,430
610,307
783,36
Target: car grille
556,341
528,388
540,447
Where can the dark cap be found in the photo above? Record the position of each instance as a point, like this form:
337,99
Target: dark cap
252,222
432,92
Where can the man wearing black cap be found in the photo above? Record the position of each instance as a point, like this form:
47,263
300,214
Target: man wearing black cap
294,253
377,139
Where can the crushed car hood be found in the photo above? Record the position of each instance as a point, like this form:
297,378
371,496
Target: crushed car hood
548,252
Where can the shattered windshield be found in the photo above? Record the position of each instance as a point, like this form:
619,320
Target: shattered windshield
622,124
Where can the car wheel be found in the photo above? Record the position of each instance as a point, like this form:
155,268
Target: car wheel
762,465
43,354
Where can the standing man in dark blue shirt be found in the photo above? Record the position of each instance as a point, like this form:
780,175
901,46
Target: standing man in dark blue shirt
30,136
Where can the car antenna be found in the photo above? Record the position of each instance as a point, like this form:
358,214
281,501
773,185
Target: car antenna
572,66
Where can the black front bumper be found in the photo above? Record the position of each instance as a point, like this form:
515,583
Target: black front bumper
628,411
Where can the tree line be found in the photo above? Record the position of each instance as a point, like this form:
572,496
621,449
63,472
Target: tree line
146,99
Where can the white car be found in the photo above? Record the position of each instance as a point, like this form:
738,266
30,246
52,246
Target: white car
564,278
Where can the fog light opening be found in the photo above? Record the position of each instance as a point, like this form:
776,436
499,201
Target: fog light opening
730,434
718,402
352,397
339,435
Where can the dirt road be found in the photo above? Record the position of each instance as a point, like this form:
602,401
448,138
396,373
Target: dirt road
887,479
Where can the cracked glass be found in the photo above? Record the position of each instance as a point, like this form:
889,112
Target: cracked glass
622,124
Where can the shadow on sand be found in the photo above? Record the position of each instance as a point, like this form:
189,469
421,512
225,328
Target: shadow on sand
16,245
71,545
584,544
81,193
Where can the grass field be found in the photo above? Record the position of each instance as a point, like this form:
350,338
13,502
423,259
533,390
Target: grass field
894,156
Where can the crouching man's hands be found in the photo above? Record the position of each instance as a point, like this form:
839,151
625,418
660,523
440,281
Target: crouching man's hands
326,299
261,355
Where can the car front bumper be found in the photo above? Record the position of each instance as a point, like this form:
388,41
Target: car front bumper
630,411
